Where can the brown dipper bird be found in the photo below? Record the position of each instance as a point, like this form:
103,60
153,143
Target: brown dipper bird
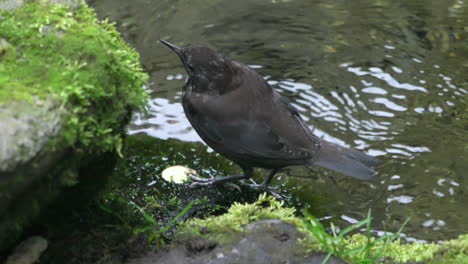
237,113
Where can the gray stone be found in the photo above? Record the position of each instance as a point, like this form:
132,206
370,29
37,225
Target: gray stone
26,128
14,4
263,242
26,147
70,3
31,161
28,252
11,4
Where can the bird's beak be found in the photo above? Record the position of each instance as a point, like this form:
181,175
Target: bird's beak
173,47
179,51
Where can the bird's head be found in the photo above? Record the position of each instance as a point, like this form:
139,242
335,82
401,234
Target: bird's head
207,70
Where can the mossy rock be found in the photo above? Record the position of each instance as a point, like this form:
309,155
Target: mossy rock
225,230
262,242
68,85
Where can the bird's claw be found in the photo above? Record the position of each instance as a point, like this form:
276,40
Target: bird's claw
260,187
197,179
198,182
264,187
232,186
257,187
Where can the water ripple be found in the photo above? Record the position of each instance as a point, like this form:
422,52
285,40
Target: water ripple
387,81
163,121
379,74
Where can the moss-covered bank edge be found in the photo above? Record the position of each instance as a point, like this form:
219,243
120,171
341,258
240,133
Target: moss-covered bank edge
63,57
222,227
65,53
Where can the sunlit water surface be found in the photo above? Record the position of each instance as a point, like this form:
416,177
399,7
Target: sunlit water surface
384,77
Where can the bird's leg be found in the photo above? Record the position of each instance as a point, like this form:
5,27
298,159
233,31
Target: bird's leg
266,182
248,172
268,179
265,186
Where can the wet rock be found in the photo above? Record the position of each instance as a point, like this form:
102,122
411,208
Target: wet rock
30,151
26,129
70,3
13,4
26,157
28,251
45,103
263,242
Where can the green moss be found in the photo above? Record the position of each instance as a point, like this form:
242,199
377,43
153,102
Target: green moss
396,251
221,229
50,51
453,251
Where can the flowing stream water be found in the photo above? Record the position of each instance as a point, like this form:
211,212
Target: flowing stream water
385,77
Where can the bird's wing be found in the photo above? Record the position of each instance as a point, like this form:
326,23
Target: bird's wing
255,136
312,139
255,139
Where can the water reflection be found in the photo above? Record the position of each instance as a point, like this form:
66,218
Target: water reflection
391,81
164,120
386,77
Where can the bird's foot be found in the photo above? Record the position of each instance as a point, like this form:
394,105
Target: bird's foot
198,181
265,188
201,181
258,187
228,185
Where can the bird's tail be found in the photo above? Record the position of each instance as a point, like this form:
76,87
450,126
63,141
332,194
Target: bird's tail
347,161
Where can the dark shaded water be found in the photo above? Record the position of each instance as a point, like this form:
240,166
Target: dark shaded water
385,77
